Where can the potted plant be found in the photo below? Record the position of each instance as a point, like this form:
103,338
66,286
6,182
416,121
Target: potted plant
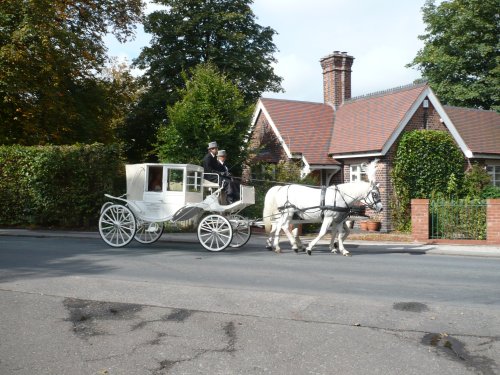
374,223
363,225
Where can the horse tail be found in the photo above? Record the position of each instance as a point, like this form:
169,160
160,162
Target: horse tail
270,207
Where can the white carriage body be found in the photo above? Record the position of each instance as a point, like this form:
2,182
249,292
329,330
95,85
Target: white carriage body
181,184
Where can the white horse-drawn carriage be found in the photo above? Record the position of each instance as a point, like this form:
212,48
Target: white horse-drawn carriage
159,193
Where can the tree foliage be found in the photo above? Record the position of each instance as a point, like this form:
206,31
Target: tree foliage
460,58
51,52
189,32
211,108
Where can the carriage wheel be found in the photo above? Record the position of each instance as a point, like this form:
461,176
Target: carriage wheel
117,225
148,231
215,232
241,230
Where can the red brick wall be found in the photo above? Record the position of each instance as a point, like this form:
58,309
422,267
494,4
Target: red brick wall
420,219
493,221
420,223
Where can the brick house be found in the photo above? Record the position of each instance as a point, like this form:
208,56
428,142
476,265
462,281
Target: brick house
332,139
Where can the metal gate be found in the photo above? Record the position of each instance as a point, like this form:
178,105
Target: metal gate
462,219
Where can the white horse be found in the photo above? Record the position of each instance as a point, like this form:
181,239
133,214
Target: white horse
330,206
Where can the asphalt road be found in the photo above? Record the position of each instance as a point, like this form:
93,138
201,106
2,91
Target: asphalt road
76,306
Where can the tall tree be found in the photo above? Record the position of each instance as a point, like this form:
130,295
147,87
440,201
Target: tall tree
51,52
460,58
189,32
211,108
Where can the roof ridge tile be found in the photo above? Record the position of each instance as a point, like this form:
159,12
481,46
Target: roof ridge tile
387,91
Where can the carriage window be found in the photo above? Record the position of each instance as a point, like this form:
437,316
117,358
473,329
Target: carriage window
357,173
155,178
193,181
494,172
175,180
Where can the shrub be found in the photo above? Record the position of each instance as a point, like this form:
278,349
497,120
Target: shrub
57,185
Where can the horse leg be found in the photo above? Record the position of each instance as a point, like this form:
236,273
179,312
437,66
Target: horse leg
283,224
295,234
277,229
291,237
270,239
333,243
342,236
327,221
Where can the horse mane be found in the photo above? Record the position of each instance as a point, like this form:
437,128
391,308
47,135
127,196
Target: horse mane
371,170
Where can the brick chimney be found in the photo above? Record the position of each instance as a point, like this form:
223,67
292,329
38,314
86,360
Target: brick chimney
336,77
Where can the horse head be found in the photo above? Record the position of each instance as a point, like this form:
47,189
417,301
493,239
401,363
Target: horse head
372,199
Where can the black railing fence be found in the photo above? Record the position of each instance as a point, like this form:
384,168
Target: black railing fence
463,219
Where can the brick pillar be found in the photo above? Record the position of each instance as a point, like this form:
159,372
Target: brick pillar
493,221
420,219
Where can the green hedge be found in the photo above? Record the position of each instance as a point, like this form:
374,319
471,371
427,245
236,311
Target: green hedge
60,186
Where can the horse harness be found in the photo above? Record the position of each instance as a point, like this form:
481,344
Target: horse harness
323,207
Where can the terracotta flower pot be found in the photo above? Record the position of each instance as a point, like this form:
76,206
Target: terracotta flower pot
373,226
363,225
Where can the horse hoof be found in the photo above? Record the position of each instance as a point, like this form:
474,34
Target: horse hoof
309,252
296,251
277,251
269,248
334,251
347,254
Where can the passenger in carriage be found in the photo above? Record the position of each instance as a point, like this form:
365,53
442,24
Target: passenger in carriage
233,187
155,179
212,166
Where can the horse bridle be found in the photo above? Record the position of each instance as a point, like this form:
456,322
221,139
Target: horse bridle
374,194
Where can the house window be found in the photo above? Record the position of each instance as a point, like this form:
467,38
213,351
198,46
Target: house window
494,172
357,173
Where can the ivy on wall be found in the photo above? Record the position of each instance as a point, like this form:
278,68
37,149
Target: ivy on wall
427,162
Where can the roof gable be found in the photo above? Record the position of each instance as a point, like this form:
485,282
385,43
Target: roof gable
301,127
369,124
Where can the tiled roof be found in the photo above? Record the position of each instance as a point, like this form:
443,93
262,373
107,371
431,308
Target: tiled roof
479,129
304,126
365,124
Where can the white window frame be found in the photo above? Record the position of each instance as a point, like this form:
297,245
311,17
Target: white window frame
357,173
493,171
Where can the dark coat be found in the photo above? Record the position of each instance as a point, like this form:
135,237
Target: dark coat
211,165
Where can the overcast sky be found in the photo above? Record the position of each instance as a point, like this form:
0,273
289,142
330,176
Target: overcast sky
382,36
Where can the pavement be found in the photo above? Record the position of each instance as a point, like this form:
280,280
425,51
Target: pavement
378,246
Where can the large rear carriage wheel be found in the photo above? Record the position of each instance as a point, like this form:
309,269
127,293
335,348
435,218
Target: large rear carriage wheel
117,225
215,232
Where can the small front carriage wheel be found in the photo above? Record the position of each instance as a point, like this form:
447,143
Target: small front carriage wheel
241,230
117,225
215,232
148,231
